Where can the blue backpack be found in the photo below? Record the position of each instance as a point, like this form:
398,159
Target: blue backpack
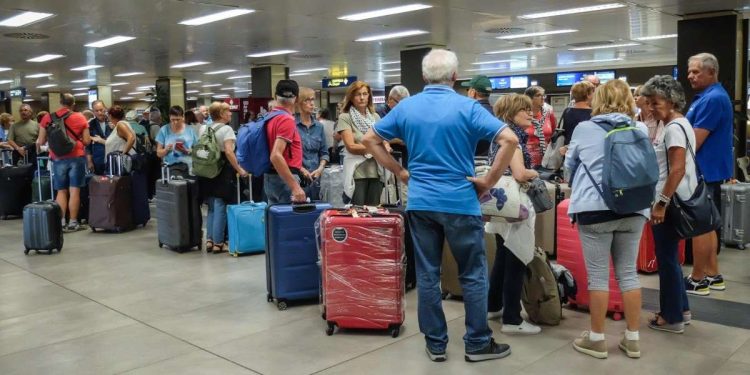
630,171
253,151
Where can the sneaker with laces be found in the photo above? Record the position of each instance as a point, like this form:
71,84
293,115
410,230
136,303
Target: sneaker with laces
716,282
436,356
632,348
493,350
73,226
698,288
525,328
494,314
596,349
687,317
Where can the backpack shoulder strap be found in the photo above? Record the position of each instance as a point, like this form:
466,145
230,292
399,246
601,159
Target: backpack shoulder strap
560,124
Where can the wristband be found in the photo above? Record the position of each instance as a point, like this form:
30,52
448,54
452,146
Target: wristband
663,198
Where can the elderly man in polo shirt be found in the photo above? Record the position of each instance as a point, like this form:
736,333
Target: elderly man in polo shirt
441,129
712,118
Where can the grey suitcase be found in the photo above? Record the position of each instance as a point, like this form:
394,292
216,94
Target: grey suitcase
178,214
42,226
735,214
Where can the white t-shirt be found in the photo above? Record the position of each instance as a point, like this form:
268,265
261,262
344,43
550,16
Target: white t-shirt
222,135
674,137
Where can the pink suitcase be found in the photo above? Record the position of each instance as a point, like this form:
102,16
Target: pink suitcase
570,255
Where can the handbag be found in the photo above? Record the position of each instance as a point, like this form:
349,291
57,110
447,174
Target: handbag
539,195
697,215
503,201
552,160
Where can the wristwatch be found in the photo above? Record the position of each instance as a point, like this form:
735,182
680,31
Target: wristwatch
663,200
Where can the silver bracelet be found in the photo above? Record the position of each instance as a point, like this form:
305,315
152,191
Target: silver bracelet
664,198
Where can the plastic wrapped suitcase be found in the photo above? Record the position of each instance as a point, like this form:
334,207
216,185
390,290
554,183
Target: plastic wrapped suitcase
735,214
110,199
332,186
42,226
15,186
178,213
247,224
570,255
292,271
647,251
449,283
362,269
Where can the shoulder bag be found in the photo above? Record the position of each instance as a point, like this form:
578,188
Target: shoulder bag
552,159
503,201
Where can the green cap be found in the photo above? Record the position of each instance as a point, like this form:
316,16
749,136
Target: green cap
480,83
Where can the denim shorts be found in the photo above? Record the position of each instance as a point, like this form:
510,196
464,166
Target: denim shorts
67,173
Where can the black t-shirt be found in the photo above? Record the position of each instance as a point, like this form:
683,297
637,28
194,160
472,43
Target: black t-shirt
570,119
483,147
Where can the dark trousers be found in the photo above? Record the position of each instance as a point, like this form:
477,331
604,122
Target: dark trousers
672,296
506,284
367,191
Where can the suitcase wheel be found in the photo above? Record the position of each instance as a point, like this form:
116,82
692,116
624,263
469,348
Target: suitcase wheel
395,330
281,305
331,327
617,316
161,245
269,298
741,246
93,229
235,255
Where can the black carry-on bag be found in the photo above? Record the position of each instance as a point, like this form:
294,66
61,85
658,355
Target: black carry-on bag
42,224
178,213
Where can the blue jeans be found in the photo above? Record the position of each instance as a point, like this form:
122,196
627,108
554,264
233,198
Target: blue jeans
277,192
465,235
673,299
67,173
216,220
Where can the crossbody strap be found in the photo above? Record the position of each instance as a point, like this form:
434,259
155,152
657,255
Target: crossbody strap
689,147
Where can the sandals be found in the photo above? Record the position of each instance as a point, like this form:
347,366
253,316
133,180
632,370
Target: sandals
218,248
209,246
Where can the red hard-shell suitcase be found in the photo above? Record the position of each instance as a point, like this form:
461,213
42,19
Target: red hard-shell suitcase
362,267
647,251
570,255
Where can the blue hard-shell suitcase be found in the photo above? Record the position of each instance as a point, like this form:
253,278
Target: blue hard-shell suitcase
292,271
247,225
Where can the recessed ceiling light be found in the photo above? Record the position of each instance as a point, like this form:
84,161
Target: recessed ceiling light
206,93
192,82
515,50
654,37
228,88
492,62
299,74
212,85
129,74
80,89
84,80
541,33
392,75
243,90
400,34
6,81
81,94
30,100
603,46
118,84
192,98
115,90
391,62
272,53
24,19
47,86
221,96
127,98
44,58
215,17
593,61
594,8
221,71
192,91
310,70
109,41
189,64
384,12
392,70
144,88
39,75
87,67
4,69
135,93
239,77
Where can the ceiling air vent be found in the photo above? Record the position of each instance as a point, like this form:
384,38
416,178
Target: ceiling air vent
590,44
26,36
504,30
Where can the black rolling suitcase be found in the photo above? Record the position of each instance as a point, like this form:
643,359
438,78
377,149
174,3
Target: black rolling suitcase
178,213
15,185
42,226
399,208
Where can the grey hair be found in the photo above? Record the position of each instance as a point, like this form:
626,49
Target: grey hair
154,114
665,87
399,92
440,66
707,60
285,102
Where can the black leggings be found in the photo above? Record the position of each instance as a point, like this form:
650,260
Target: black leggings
506,284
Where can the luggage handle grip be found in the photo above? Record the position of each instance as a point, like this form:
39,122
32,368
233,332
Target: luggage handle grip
250,184
39,173
303,207
118,157
165,173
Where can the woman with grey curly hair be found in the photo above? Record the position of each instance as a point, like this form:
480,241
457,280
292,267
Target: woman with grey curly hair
675,153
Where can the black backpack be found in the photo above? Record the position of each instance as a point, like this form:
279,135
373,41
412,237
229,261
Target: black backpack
59,140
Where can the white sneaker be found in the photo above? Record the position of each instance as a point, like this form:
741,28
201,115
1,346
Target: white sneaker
525,328
495,314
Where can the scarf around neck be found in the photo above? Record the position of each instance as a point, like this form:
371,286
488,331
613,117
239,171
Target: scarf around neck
363,123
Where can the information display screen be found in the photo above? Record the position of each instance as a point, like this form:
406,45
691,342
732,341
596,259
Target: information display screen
571,78
519,82
500,83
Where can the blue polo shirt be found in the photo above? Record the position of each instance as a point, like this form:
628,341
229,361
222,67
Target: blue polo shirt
712,110
441,130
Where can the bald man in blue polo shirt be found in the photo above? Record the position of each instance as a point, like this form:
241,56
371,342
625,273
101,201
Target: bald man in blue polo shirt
441,130
712,118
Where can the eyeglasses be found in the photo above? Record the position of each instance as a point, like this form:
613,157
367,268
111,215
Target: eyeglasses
543,96
309,100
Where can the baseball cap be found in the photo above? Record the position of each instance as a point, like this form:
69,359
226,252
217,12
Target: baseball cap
287,88
480,83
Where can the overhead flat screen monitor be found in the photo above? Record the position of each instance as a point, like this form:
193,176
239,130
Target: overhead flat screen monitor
500,83
571,78
674,72
604,76
567,79
519,82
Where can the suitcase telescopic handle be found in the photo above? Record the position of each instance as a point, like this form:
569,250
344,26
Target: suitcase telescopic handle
39,160
249,183
112,157
165,173
303,207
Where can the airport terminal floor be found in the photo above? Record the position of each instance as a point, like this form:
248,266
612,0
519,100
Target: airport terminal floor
118,304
